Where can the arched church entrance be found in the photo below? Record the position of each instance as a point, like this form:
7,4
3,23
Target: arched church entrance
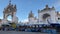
46,18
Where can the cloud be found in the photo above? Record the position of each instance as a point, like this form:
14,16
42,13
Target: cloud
25,20
1,17
10,19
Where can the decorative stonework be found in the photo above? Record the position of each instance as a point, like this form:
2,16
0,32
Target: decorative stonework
45,16
10,10
31,15
47,8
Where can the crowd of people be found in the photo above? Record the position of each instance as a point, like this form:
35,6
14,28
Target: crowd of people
32,28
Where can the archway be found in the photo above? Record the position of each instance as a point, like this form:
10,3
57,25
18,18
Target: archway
46,18
9,18
9,13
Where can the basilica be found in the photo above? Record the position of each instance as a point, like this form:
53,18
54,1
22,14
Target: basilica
45,16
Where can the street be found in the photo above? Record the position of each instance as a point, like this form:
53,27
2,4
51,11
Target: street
18,32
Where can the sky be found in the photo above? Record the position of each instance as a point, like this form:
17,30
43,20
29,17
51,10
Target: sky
25,6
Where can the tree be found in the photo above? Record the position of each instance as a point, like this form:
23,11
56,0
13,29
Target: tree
13,25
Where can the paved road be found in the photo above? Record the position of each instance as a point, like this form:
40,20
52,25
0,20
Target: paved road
18,32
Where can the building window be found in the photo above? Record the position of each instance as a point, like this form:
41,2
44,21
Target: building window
58,18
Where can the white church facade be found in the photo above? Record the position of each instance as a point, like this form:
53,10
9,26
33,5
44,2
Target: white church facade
46,16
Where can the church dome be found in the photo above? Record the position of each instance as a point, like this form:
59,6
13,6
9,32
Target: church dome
31,14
